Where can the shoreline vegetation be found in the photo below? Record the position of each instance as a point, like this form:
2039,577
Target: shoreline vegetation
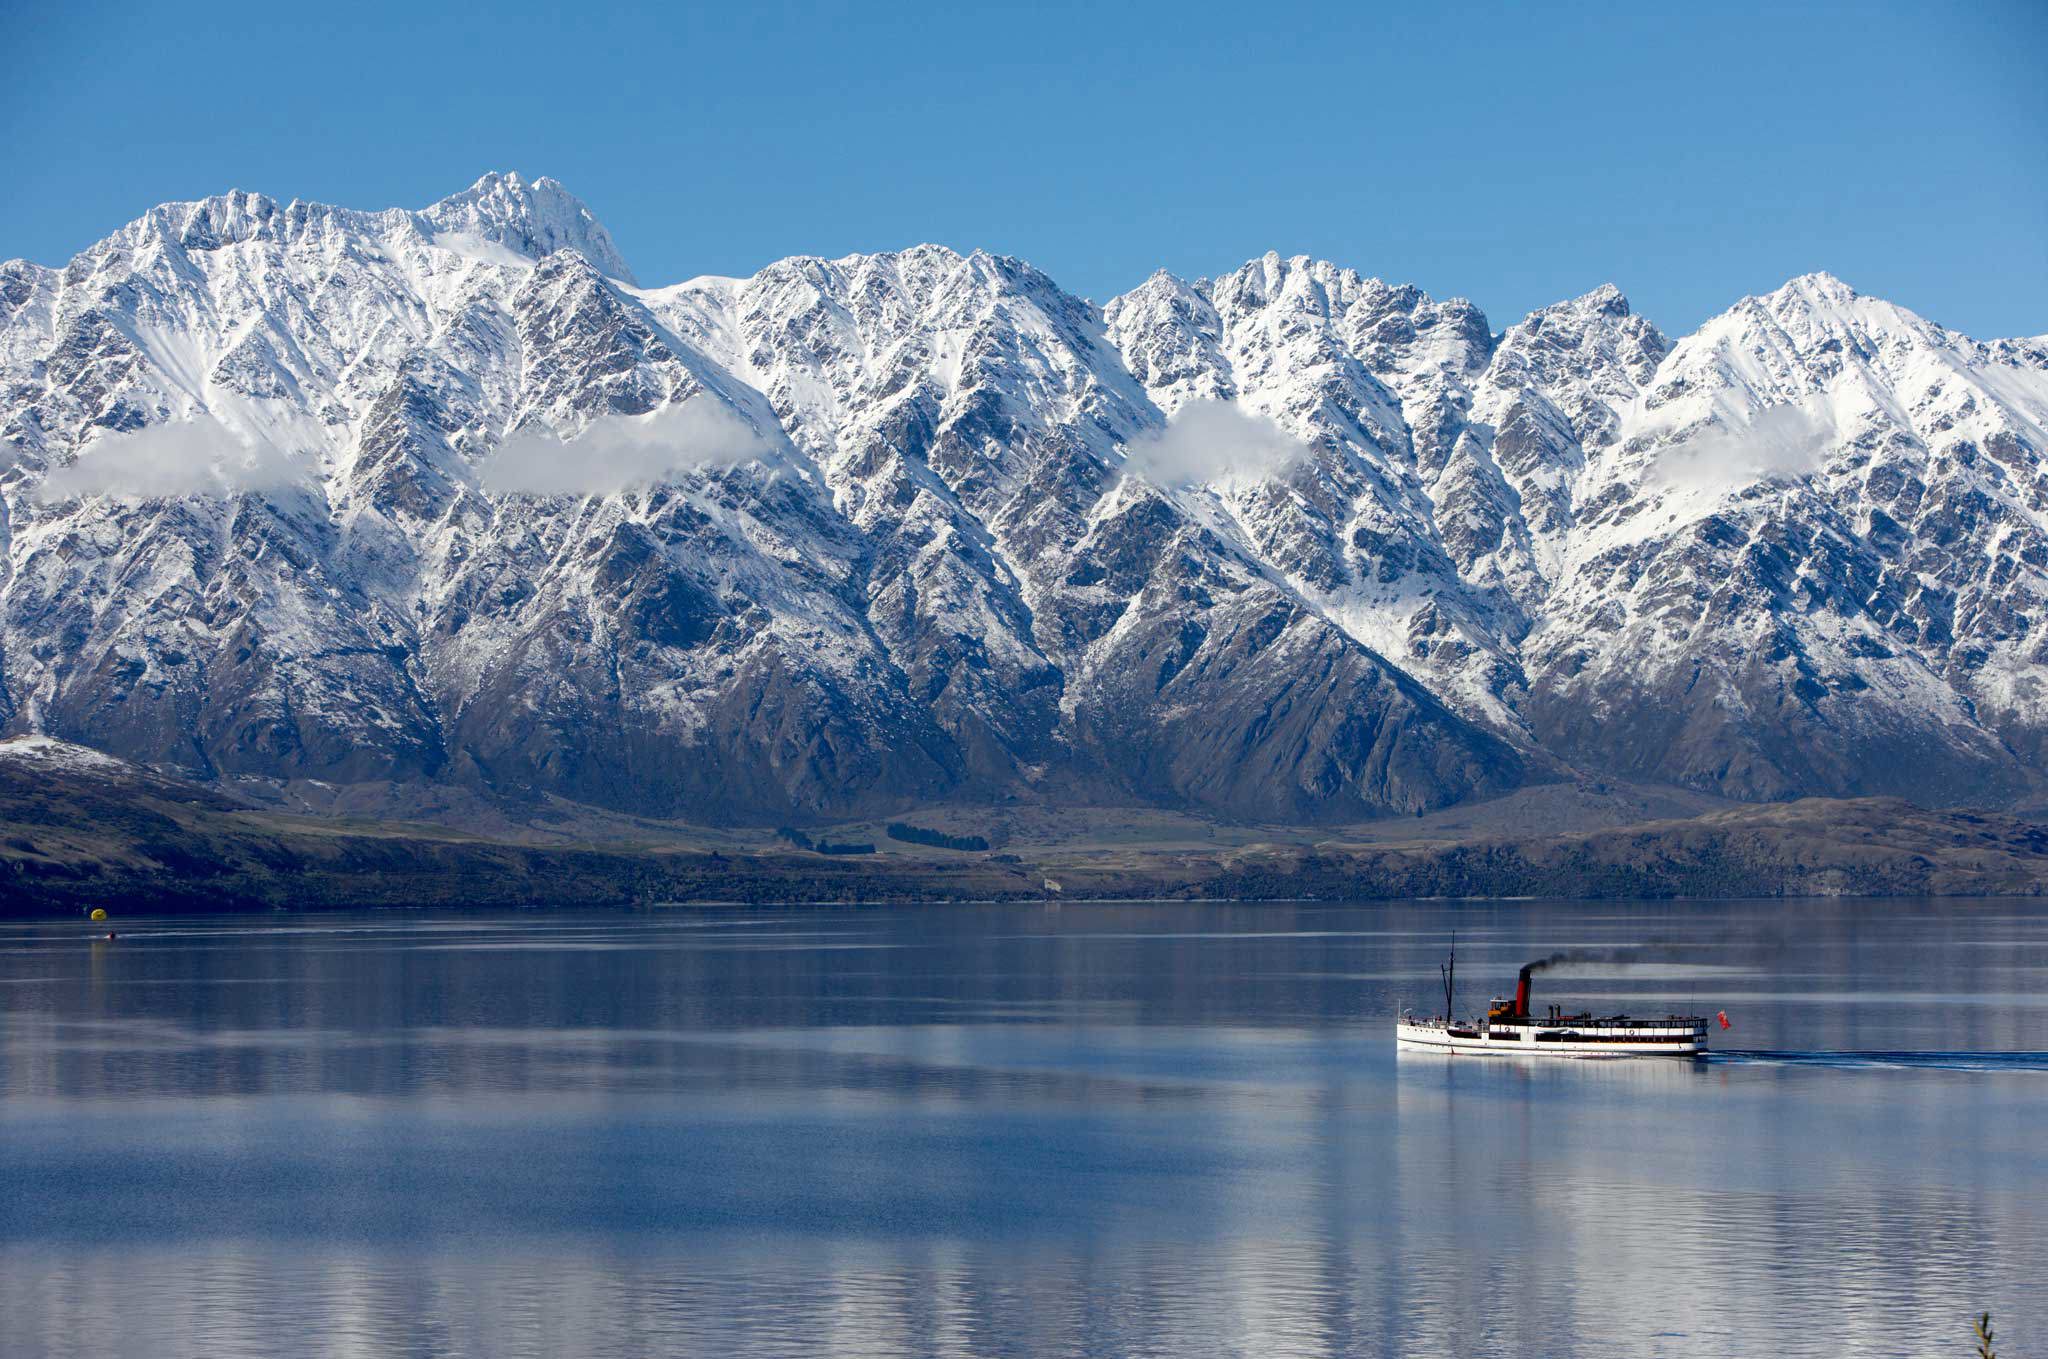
78,832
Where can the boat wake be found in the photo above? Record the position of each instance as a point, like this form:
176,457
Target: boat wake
1926,1061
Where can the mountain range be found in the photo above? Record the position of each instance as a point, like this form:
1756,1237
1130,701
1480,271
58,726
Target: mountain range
303,497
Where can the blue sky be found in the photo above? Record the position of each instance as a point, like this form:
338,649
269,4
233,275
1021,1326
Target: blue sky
1690,154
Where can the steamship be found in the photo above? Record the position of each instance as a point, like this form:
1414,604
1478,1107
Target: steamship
1510,1028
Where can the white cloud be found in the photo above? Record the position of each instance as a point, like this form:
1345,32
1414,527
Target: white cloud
1208,441
1781,442
196,456
615,453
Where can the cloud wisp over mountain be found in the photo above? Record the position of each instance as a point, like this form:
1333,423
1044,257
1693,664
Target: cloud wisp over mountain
198,456
1209,441
622,453
1779,443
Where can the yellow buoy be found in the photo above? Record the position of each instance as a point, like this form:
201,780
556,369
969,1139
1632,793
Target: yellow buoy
99,913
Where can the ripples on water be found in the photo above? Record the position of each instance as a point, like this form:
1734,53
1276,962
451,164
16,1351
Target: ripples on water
1925,1061
1011,1131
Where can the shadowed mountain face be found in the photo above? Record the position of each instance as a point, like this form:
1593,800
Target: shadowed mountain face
302,493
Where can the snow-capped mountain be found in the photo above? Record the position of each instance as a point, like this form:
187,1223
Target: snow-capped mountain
297,492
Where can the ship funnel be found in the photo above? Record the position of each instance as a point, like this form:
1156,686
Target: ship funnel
1522,994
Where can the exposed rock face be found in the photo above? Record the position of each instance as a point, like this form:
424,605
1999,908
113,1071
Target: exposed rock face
1813,559
1800,551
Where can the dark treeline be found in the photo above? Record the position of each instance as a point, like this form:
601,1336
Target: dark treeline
918,835
803,841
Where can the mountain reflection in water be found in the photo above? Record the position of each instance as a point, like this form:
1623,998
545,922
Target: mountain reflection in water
1118,1130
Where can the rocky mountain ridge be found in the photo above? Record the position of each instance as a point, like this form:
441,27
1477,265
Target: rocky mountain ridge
920,526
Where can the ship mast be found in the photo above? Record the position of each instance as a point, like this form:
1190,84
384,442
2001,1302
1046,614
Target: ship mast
1449,972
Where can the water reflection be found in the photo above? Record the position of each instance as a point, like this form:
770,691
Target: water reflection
1119,1130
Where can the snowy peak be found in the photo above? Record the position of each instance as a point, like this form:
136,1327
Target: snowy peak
1171,336
222,220
1816,339
1596,336
208,226
522,221
1814,308
1397,330
1590,357
1819,288
1605,300
535,219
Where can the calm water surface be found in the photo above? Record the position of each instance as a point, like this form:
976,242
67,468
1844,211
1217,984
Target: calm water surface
1117,1130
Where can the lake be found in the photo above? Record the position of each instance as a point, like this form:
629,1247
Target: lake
1172,1130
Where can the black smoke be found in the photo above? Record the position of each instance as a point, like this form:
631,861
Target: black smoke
1584,955
1650,952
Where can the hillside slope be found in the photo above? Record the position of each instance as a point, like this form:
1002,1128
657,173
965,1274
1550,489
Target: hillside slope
79,831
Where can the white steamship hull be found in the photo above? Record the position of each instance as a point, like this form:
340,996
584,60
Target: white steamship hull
1599,1038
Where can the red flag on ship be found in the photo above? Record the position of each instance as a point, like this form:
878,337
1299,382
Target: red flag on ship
1722,1015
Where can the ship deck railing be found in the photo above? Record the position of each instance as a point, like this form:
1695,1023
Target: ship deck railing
1676,1023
